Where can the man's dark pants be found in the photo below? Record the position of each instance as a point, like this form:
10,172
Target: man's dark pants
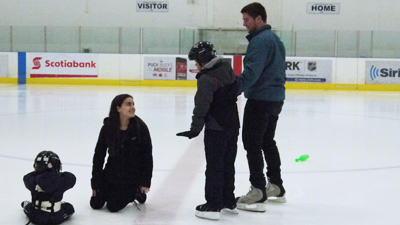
259,125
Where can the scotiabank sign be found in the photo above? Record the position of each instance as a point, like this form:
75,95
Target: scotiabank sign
59,65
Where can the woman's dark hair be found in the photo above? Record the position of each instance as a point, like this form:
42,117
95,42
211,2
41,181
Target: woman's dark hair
255,9
114,121
113,115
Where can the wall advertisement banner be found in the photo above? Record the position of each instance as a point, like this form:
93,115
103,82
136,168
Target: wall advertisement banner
309,71
171,68
3,65
61,65
160,68
382,72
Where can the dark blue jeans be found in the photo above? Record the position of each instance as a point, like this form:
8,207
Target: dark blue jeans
220,149
259,125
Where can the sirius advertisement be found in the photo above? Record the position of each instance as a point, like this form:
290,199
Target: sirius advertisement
382,72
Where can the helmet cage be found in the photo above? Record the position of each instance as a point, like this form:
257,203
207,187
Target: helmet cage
47,161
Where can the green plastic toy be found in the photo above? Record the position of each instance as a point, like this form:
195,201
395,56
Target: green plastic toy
302,158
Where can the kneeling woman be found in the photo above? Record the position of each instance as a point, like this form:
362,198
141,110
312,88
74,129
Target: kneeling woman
127,174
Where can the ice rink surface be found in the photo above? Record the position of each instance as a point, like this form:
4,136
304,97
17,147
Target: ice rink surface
352,137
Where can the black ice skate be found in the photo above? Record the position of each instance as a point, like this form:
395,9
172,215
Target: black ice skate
207,212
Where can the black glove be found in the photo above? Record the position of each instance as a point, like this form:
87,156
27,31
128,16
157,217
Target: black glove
190,134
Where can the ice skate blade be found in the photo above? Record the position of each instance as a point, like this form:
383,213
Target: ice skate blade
207,215
277,199
256,207
230,211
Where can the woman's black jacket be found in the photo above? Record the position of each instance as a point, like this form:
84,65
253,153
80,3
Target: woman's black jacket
130,160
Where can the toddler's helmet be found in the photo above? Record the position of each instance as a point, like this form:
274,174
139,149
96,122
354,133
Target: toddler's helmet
47,161
202,52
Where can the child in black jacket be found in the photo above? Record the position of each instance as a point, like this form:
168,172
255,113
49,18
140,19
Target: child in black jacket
216,109
47,186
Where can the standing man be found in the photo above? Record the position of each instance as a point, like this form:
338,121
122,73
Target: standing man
263,84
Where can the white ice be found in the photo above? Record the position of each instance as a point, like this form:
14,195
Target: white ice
352,137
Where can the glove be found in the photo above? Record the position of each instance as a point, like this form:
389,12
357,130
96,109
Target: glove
190,134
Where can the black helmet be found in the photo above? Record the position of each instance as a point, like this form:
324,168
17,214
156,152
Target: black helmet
202,52
47,161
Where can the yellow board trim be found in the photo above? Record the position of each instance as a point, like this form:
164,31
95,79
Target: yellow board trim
71,81
8,80
348,87
193,83
379,87
83,81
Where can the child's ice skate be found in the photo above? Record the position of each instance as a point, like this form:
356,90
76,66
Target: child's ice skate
207,212
230,209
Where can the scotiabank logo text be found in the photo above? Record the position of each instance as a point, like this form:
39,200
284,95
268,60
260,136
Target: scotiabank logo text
65,63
